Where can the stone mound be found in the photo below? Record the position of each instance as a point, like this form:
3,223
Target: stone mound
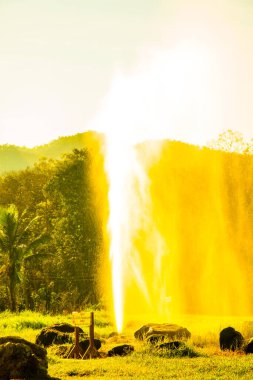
20,359
123,350
56,334
154,332
230,339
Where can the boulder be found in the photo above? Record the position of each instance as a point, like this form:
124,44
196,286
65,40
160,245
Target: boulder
248,348
21,359
230,339
123,350
56,334
154,332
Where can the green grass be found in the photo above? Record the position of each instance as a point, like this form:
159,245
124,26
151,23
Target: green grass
26,324
151,367
204,359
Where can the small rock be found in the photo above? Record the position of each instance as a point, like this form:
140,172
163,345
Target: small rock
84,344
123,350
230,339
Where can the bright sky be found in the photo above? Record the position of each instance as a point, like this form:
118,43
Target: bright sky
159,68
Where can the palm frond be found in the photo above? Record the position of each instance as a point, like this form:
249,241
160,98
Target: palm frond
38,256
24,233
43,238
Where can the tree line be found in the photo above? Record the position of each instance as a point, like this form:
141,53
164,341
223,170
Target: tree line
50,236
53,249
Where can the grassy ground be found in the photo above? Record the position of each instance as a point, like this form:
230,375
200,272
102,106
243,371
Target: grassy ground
145,363
148,367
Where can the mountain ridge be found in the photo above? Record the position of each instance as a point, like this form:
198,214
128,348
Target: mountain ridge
14,157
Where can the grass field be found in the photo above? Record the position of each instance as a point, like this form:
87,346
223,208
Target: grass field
204,360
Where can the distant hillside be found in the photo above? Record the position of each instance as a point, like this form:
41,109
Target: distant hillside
14,157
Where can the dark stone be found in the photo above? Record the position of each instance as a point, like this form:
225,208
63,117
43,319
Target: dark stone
48,337
84,344
122,350
22,359
56,334
230,339
154,332
248,348
171,345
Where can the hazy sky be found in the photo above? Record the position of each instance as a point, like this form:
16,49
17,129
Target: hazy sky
155,68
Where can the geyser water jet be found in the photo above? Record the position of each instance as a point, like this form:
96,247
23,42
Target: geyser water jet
127,199
170,243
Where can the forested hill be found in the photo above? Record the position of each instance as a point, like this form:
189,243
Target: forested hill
14,157
193,234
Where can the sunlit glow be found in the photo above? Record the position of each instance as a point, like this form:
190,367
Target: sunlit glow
174,87
149,226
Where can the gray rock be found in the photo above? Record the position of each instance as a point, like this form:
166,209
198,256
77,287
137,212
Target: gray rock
154,332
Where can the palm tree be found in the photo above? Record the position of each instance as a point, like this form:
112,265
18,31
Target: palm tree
16,245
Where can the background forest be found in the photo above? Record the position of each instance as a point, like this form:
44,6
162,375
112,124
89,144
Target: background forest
53,254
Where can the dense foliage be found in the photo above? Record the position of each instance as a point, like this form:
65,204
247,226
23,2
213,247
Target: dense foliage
61,273
201,204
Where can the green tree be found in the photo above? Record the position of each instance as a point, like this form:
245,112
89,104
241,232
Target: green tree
230,141
15,247
76,232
